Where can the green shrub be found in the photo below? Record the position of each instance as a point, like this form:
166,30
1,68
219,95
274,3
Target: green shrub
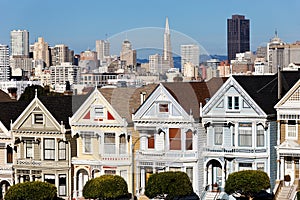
247,182
32,191
168,185
105,187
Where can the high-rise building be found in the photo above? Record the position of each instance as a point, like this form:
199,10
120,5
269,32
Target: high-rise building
155,63
238,36
102,49
64,72
189,54
167,51
128,54
41,51
4,63
19,43
61,53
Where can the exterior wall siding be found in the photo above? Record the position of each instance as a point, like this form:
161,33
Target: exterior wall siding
273,155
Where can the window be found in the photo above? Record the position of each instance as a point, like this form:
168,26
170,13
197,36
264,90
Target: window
49,149
62,150
151,142
245,134
87,140
109,143
163,107
9,154
189,140
62,185
175,139
260,137
49,178
233,103
218,135
245,166
98,111
291,129
189,172
233,136
113,172
38,119
260,166
29,149
122,144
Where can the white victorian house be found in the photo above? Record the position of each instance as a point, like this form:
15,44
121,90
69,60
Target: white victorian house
169,131
241,128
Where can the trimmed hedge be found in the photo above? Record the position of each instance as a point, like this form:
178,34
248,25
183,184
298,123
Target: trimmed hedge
169,185
106,187
35,190
247,182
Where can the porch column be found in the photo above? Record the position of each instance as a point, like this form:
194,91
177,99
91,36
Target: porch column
224,171
75,187
278,169
282,165
143,180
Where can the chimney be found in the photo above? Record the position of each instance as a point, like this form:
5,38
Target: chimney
279,81
143,97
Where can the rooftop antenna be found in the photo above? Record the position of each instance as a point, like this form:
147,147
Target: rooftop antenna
276,35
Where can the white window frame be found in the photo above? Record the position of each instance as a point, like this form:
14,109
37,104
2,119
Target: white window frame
62,188
98,111
85,139
163,103
234,99
106,144
27,154
288,127
245,128
38,121
61,155
49,149
260,128
217,129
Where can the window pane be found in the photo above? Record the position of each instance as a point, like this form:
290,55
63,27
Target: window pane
87,144
9,154
49,149
218,135
189,140
109,143
38,118
236,103
28,148
62,185
260,138
62,150
151,144
163,107
229,104
122,145
175,138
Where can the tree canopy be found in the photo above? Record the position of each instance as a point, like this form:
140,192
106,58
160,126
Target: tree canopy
35,190
105,187
169,185
247,182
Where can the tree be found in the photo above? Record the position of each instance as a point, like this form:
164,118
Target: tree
248,183
106,187
35,190
29,92
169,185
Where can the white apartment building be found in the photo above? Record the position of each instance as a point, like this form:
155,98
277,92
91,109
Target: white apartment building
155,63
19,42
4,63
102,49
189,54
64,72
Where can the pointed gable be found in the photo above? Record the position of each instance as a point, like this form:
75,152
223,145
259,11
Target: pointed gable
291,99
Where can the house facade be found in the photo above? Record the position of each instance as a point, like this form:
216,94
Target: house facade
169,131
241,127
41,138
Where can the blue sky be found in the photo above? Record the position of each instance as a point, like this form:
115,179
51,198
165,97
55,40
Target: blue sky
79,23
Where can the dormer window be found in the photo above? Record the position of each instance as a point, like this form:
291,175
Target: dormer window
98,111
38,119
163,107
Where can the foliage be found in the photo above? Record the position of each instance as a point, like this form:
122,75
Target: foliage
247,182
29,92
35,190
105,187
298,195
169,185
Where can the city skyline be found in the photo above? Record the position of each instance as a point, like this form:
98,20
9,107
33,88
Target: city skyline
80,25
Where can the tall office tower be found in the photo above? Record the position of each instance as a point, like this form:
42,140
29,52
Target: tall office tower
4,63
128,54
155,63
167,51
41,51
189,54
238,36
102,49
19,43
61,53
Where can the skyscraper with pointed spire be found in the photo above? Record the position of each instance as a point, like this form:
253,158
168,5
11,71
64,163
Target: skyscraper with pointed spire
167,51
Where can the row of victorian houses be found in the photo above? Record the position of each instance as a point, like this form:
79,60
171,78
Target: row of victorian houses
206,129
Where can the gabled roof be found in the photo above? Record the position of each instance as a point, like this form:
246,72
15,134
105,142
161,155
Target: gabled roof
63,107
126,100
190,94
264,89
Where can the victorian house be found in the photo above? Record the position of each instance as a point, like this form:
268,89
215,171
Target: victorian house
103,130
41,141
241,127
170,132
288,142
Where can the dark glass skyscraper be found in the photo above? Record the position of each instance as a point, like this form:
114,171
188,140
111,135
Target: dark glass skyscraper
238,35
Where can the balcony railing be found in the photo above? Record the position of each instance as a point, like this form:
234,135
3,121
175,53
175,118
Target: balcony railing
42,163
168,154
233,150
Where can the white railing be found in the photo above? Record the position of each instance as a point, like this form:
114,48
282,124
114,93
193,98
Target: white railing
169,154
234,150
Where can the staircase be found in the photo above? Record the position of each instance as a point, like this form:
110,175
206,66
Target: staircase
285,193
211,195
